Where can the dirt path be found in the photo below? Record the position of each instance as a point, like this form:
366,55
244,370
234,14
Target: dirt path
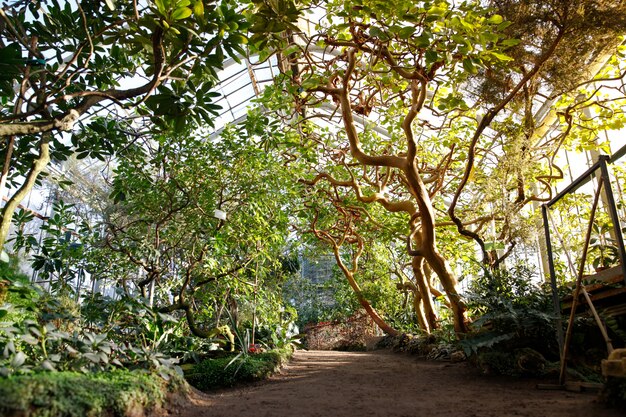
328,384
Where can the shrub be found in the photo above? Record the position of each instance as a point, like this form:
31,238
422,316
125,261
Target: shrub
513,313
228,371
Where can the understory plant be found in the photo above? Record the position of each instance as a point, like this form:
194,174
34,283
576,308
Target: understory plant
117,393
47,333
514,316
224,372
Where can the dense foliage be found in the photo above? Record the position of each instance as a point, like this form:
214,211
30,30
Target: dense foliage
512,310
228,371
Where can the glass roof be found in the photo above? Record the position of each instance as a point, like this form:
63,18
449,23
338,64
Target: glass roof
239,83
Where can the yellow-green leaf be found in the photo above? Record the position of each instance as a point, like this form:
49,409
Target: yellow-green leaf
181,13
501,57
198,9
496,19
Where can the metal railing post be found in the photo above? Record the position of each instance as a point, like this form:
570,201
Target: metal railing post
613,213
555,291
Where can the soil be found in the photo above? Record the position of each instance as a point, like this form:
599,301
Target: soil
381,383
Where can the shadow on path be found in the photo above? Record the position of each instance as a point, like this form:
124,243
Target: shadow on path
325,384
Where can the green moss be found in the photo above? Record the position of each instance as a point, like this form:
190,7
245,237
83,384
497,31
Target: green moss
69,394
217,373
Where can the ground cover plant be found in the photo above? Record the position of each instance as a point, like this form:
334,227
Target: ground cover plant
230,370
117,393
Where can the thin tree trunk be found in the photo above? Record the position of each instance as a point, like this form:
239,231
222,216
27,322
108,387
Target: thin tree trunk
380,322
417,263
438,263
39,164
418,307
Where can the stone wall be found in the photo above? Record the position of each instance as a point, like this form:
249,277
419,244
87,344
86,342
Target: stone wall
356,333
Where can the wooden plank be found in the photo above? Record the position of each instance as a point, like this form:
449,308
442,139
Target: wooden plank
596,296
576,386
583,386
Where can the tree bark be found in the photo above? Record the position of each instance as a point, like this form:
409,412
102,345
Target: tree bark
39,164
417,263
380,322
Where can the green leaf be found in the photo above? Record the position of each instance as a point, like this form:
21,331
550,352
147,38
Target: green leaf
376,33
48,366
501,57
431,56
469,66
406,33
422,41
436,11
92,357
496,19
198,9
181,13
510,42
160,6
18,360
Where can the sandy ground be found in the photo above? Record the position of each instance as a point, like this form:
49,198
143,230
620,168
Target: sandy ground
325,384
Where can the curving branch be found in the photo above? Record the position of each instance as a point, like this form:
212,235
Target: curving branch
484,123
67,120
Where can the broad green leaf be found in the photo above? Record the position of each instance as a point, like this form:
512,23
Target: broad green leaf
181,13
198,9
18,360
501,57
468,66
29,339
160,6
375,32
510,42
431,56
422,41
496,19
406,33
436,11
92,357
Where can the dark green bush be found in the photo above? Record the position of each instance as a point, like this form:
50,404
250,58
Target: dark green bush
512,312
69,394
228,371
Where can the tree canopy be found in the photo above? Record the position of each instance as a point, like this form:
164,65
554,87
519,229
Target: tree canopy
418,129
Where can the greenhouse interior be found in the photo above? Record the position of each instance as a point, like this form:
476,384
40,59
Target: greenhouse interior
305,208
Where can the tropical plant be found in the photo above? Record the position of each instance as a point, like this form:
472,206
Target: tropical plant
511,310
603,248
202,222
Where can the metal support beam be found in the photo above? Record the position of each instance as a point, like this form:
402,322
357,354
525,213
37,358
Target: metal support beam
613,213
556,302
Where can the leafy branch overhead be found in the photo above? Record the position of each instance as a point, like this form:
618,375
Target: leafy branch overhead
81,69
105,72
411,120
